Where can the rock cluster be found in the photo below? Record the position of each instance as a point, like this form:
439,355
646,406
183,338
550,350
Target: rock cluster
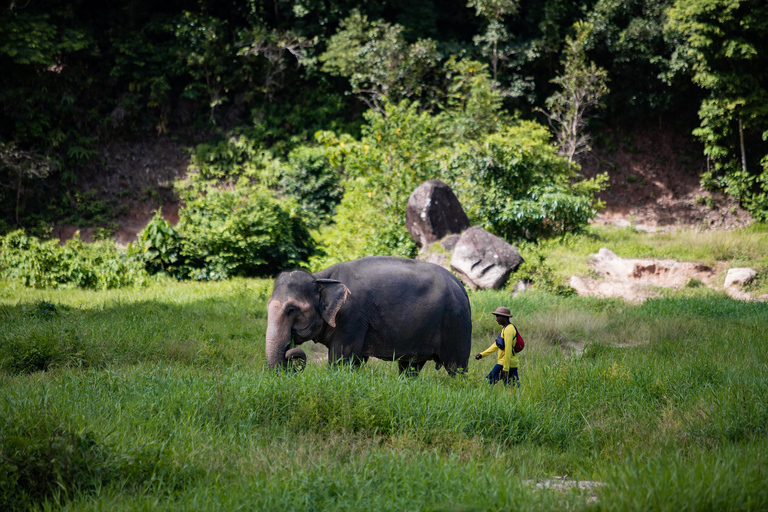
438,223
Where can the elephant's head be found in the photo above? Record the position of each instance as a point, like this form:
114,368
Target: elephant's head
299,308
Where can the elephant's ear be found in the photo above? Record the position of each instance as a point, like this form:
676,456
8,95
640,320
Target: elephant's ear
333,295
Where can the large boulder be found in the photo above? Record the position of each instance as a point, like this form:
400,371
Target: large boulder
433,212
482,260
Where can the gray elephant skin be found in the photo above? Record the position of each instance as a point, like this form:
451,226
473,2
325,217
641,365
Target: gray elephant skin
389,308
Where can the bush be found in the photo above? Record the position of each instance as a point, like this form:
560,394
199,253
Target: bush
517,184
158,246
234,233
41,457
46,264
314,182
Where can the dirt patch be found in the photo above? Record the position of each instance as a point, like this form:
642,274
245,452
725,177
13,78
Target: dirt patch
564,484
654,176
137,177
636,280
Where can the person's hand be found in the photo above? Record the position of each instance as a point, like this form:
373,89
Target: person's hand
479,356
504,376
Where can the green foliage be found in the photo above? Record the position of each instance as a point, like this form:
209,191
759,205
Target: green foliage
208,54
473,104
234,233
510,179
232,224
494,41
519,187
628,40
46,264
378,61
20,171
395,154
158,246
536,271
311,179
724,44
238,161
582,84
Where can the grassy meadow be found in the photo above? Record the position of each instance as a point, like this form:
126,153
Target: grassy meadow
158,398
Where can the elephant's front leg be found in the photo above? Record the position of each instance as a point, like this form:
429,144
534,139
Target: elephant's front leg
341,353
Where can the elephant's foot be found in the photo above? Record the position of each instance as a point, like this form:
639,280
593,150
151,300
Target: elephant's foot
409,368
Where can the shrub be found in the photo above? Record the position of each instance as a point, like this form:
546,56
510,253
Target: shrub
237,162
41,457
158,246
519,187
395,154
46,264
310,178
234,233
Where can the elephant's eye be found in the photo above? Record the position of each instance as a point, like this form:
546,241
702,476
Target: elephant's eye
290,310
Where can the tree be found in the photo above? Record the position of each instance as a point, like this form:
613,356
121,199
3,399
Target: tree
724,43
17,169
627,38
495,38
473,104
515,183
378,61
583,85
275,47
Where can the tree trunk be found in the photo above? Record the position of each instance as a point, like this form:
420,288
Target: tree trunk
743,153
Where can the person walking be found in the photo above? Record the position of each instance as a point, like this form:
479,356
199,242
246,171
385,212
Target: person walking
507,361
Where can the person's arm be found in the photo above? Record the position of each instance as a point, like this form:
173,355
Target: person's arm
490,350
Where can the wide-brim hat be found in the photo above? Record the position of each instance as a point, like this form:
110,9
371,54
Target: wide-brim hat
502,311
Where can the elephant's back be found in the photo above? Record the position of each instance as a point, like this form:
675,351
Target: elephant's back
407,286
384,272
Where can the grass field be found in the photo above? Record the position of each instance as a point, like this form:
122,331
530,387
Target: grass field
159,398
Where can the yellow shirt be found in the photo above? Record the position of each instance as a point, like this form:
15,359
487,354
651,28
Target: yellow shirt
506,357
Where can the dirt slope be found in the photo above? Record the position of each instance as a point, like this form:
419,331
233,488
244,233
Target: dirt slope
655,183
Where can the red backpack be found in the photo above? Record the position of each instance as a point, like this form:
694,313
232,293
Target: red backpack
520,343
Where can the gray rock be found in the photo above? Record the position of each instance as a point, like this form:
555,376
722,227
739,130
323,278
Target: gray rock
433,212
520,287
482,260
434,257
449,243
739,276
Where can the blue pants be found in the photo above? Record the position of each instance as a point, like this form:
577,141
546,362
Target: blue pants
495,376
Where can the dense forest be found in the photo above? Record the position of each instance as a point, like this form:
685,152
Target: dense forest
310,122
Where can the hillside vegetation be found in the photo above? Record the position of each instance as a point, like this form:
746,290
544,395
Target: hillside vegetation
338,109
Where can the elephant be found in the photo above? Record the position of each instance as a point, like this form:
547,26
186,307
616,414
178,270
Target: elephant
390,308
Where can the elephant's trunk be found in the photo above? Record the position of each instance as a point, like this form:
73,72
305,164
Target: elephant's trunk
278,335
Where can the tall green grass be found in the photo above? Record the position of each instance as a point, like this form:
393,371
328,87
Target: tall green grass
160,398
